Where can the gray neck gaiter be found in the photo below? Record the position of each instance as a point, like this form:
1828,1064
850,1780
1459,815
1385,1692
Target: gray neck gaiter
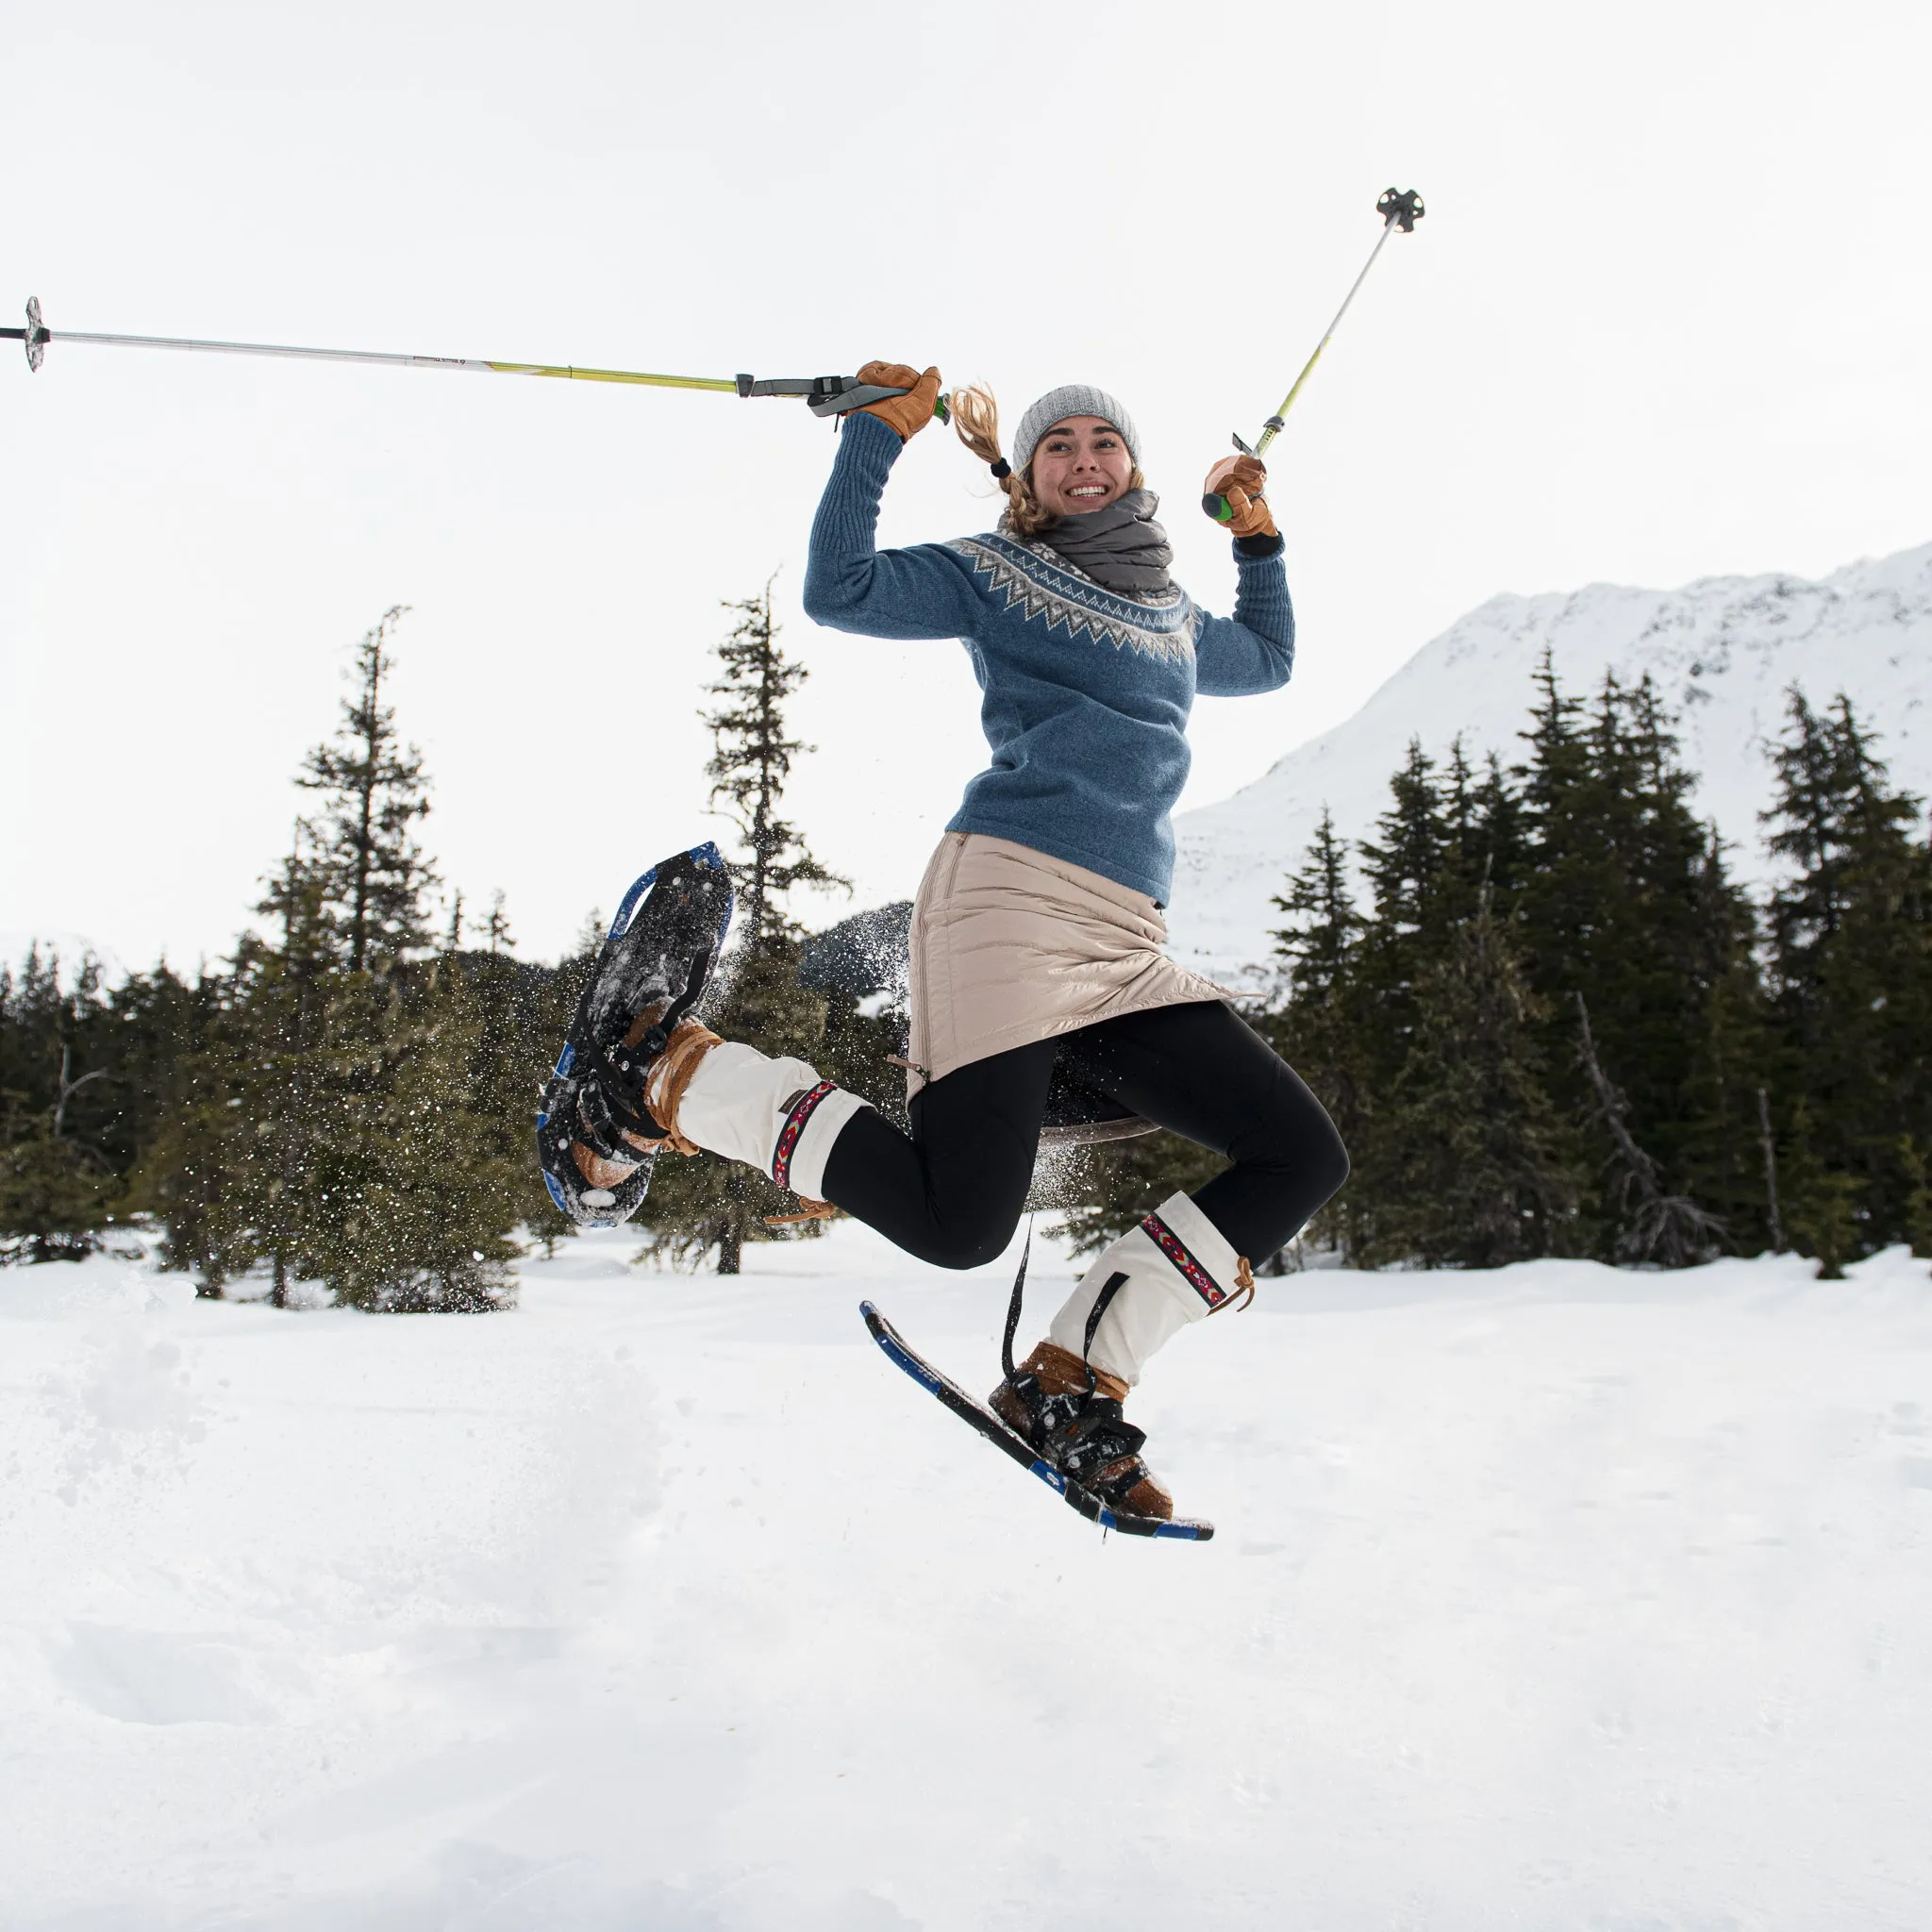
1120,547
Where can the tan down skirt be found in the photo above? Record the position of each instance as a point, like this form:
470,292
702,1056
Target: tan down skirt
1010,946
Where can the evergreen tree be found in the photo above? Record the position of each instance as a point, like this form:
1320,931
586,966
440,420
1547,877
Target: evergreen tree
1624,900
1319,1028
374,792
751,760
195,1168
1413,867
521,1011
1501,850
496,927
425,1188
348,1118
1668,1229
286,1055
153,1022
704,1205
1850,932
57,1186
1475,1167
1719,1151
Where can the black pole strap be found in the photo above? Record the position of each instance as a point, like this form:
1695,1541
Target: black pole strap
1102,1302
1013,1304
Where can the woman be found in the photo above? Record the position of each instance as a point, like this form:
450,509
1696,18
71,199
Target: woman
1037,935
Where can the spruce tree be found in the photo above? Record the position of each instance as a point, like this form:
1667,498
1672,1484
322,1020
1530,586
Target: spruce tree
1624,900
196,1170
432,1186
1720,1149
703,1206
374,792
1849,931
288,1068
348,1120
255,1162
1475,1167
57,1186
1319,1030
751,758
1412,867
154,1020
1671,1230
521,1010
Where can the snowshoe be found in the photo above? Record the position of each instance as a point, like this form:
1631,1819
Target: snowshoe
1069,1414
993,1427
650,973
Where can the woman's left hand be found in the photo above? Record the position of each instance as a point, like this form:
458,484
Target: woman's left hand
1241,480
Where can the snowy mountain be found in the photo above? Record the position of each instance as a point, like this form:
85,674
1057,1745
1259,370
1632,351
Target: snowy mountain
1723,650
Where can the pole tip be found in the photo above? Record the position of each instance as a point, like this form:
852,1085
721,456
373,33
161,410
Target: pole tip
1401,207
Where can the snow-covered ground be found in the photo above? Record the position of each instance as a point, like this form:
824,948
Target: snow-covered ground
1547,1598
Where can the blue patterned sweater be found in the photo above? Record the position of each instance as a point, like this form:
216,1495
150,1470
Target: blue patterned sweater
1087,692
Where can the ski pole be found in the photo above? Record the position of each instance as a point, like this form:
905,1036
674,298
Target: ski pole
1399,210
824,395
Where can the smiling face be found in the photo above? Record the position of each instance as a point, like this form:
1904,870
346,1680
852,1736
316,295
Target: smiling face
1079,466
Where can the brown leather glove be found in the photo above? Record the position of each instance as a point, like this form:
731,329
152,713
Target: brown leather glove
1241,480
908,414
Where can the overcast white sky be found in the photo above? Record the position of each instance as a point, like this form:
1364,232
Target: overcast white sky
1667,317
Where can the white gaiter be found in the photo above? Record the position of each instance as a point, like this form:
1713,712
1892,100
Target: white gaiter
775,1115
1179,1268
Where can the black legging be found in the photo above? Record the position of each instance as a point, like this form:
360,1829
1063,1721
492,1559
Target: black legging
952,1193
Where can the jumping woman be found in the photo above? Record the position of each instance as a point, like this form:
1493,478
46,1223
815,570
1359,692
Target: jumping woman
1037,932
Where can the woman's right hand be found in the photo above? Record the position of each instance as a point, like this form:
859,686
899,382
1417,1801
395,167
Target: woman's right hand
908,414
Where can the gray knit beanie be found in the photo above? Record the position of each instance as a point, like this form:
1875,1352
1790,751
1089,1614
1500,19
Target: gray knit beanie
1056,406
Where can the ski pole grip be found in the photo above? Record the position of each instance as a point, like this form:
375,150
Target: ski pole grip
1218,508
831,395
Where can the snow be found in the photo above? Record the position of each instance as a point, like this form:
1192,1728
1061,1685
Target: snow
1548,1597
1722,652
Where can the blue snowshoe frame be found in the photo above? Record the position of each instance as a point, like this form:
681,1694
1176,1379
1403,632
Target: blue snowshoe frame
602,1019
901,1355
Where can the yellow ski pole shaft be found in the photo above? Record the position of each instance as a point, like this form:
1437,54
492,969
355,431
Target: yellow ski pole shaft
824,395
1398,210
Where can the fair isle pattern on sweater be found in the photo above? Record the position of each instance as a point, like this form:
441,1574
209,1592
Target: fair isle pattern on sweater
1036,583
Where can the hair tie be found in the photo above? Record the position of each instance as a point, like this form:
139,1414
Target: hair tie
1000,469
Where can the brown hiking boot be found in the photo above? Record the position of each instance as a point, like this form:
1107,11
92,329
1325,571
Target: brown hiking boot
639,1112
1078,1429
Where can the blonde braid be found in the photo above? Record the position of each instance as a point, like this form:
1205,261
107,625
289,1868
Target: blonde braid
977,423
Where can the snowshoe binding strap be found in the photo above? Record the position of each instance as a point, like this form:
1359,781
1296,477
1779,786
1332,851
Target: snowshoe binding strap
1100,1450
1044,1417
601,1126
620,1091
629,1061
